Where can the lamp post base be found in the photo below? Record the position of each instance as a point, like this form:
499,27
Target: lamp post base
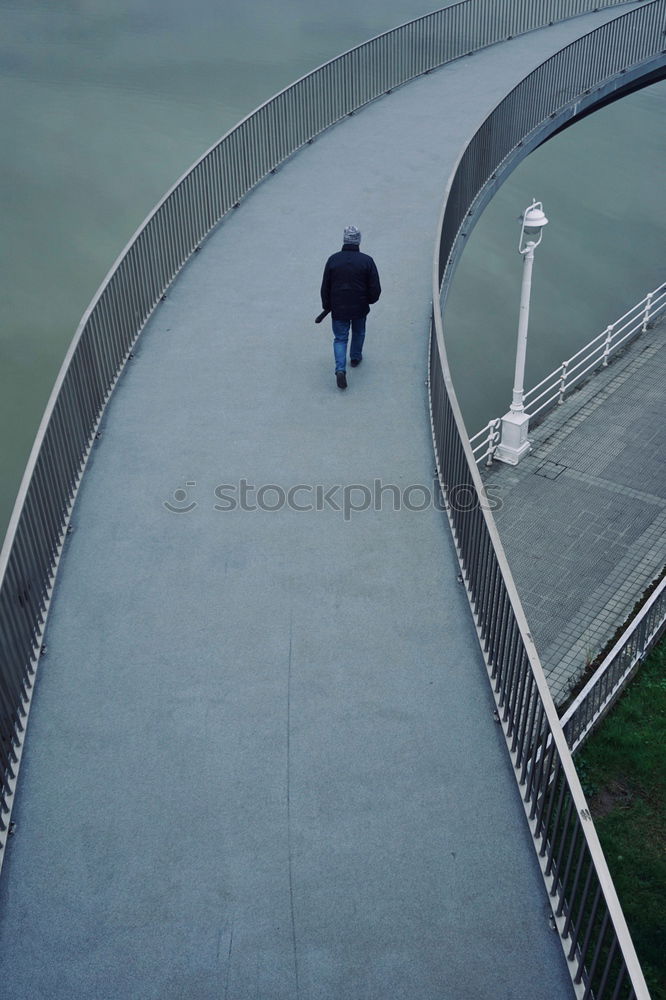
514,444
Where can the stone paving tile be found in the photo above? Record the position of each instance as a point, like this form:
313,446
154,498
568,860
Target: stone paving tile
583,517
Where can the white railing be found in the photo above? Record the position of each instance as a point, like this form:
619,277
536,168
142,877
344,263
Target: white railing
487,440
590,358
612,674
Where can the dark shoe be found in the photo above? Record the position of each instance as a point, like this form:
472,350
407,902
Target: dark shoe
342,380
355,362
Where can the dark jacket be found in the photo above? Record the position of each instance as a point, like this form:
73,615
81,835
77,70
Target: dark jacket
350,283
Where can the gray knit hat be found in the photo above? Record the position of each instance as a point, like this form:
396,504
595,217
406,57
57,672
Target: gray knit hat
352,235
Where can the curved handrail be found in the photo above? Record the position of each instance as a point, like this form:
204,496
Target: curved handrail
142,273
138,280
586,910
337,81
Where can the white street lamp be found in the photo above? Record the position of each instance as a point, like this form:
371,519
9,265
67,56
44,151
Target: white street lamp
514,443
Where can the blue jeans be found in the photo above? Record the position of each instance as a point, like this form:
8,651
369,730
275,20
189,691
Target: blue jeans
341,335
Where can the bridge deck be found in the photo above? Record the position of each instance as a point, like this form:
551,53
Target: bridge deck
261,759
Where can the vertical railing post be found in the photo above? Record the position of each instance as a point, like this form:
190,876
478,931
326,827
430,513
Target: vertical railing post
493,439
563,383
646,313
607,344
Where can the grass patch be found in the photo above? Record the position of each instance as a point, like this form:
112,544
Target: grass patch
623,771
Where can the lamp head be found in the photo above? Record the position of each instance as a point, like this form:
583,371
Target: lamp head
531,232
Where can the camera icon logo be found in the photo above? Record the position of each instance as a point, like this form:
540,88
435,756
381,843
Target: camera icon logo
180,503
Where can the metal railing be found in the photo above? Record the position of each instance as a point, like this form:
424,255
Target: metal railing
138,280
615,670
596,354
588,360
484,442
586,911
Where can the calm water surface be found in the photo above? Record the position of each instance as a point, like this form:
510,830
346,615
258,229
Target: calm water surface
103,106
604,248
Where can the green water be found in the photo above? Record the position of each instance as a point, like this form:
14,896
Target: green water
601,183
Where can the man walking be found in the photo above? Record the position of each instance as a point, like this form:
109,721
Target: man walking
349,287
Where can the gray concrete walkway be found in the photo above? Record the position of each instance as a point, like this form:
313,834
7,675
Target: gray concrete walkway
583,517
261,758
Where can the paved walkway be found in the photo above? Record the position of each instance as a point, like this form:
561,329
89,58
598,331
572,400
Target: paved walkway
261,758
583,520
